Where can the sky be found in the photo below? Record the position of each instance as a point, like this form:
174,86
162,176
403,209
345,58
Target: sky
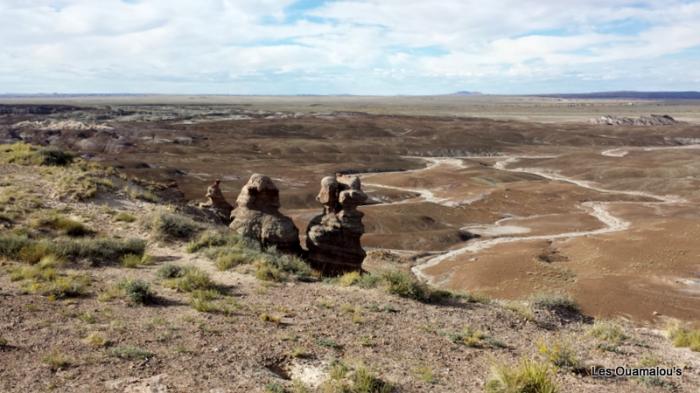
377,47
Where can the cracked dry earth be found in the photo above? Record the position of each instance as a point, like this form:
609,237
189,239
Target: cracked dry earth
401,340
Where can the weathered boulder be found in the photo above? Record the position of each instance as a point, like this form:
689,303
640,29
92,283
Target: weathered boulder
216,202
333,237
257,216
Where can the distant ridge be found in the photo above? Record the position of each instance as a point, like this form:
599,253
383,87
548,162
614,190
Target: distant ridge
642,95
465,93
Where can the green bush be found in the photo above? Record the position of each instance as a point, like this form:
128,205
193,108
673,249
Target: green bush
554,302
608,331
192,279
560,354
25,154
63,225
528,376
137,291
171,226
124,217
685,337
170,271
404,285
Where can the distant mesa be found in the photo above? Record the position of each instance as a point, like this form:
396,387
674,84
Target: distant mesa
465,93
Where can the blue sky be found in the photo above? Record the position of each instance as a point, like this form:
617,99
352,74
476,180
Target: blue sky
347,46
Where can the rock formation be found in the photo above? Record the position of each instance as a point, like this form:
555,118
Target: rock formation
216,202
333,237
257,216
653,120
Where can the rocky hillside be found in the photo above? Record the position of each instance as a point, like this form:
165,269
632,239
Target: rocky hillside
105,286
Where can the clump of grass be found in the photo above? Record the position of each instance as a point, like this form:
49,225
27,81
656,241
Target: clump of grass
275,266
226,261
425,374
608,331
212,301
25,154
300,353
61,224
560,354
359,380
97,340
349,279
172,226
3,342
211,238
170,271
57,360
191,279
685,337
98,250
142,194
555,303
328,343
137,291
124,217
134,261
45,280
404,285
528,376
469,336
131,353
276,319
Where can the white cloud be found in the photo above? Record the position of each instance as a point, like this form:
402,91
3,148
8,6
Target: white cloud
217,45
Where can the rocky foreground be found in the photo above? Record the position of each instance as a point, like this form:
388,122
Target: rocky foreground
105,286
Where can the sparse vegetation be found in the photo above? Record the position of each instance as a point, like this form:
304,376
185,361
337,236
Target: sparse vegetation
212,301
359,380
191,279
528,376
124,217
554,302
469,336
172,226
134,261
170,271
61,224
97,340
137,291
97,250
608,331
57,360
131,353
25,154
685,337
404,285
560,354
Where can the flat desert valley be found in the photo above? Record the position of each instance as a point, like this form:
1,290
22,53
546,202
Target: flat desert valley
505,196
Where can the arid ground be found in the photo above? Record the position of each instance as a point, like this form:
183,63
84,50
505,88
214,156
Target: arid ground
505,197
617,206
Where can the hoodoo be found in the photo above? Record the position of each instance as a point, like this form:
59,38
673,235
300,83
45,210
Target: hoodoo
216,202
333,237
257,216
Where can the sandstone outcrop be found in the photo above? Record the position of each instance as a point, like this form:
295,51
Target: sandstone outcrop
257,216
653,120
216,202
333,237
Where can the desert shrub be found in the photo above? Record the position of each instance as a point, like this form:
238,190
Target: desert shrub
131,353
124,217
360,380
133,260
528,376
364,381
685,337
608,331
404,285
171,226
97,250
3,342
349,279
212,301
210,238
45,280
142,194
521,310
57,360
192,279
61,224
275,266
137,291
227,260
100,250
469,336
72,285
560,354
170,271
25,154
554,303
96,339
